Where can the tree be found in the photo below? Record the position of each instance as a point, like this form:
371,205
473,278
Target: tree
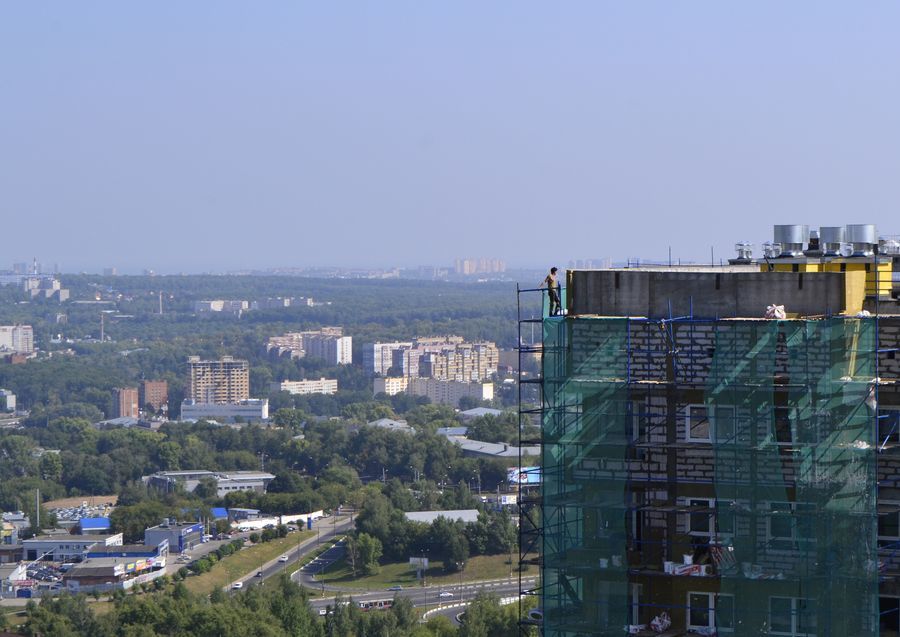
369,550
484,617
51,467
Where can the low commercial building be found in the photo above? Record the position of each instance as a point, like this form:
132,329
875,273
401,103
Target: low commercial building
392,425
301,387
478,412
94,526
180,536
10,574
250,410
481,449
225,481
65,547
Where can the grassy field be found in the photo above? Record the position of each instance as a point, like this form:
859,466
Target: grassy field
244,561
482,567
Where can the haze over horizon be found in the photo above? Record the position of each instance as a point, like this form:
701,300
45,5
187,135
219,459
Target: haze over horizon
212,137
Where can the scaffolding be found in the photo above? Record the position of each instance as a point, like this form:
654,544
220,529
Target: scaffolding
719,472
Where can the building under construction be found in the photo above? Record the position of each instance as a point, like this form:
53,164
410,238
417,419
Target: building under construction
712,465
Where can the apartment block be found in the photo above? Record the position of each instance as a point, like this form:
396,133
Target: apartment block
222,381
449,392
378,357
154,394
125,402
300,387
328,344
391,385
17,338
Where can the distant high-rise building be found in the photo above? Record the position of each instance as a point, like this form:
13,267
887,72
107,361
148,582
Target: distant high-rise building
154,394
479,266
125,402
218,382
17,338
444,358
110,272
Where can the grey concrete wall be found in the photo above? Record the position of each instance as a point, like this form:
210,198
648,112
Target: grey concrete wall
712,294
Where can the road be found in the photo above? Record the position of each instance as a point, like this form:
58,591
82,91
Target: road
429,596
327,529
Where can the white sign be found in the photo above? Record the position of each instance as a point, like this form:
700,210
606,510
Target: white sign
418,563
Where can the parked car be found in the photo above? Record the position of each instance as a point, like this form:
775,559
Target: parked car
237,585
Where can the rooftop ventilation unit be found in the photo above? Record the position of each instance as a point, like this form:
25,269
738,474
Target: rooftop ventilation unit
744,251
771,250
863,238
831,238
888,245
792,239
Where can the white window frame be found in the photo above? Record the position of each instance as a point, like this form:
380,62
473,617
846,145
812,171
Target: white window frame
712,606
795,538
795,628
713,532
890,539
710,421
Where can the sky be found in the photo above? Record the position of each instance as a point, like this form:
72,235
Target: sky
215,136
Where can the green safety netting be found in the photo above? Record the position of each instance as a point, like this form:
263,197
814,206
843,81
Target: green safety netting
789,411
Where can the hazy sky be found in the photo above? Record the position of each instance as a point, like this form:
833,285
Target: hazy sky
214,135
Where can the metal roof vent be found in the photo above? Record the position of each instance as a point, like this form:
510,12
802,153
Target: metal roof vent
771,250
863,238
744,251
889,245
792,239
831,238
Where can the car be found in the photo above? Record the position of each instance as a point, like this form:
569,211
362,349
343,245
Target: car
237,585
283,558
396,588
445,594
259,573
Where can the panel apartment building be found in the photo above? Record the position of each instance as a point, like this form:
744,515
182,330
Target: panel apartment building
443,358
328,344
223,381
737,473
17,338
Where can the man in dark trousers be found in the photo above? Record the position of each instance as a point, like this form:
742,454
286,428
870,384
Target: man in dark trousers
553,289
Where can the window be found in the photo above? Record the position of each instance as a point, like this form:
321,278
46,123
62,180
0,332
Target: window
709,610
888,426
889,614
712,524
888,524
783,426
639,420
792,616
791,523
700,428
